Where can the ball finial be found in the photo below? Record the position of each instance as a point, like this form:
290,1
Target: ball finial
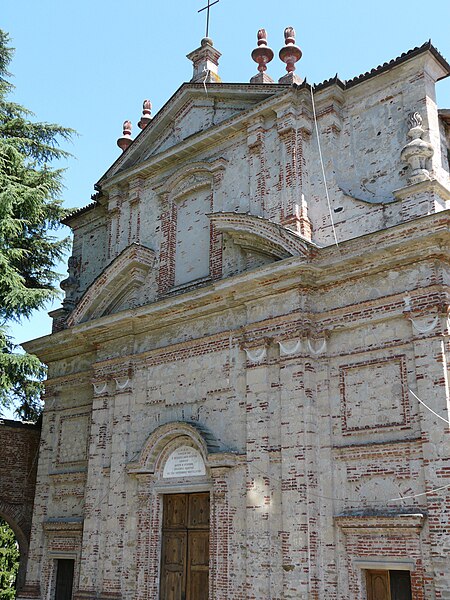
146,114
262,37
125,141
262,55
290,53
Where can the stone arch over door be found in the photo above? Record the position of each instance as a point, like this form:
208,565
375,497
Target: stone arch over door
151,487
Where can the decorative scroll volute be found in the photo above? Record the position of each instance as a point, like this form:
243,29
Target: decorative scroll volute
418,151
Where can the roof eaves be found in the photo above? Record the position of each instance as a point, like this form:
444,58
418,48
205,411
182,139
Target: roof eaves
328,83
79,211
444,114
426,47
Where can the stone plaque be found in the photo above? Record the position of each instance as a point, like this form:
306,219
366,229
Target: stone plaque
374,394
73,438
185,461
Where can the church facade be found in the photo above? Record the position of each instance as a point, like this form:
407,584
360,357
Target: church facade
247,394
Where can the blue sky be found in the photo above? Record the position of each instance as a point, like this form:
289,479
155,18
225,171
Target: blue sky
90,64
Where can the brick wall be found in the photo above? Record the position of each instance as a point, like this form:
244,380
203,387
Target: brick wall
19,445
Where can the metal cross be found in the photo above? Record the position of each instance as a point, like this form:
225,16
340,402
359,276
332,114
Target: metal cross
207,14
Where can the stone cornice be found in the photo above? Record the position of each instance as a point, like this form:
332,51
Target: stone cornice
419,240
63,526
427,49
424,186
362,523
199,141
186,92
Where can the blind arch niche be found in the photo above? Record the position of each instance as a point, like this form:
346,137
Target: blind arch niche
192,237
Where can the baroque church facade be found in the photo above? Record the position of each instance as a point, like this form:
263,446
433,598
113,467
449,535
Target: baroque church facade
247,393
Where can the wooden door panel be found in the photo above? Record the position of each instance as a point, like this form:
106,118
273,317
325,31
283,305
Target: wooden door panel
198,565
175,511
198,586
198,511
173,571
185,547
378,585
172,586
198,549
174,549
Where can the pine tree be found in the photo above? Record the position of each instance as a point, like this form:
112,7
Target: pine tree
30,214
9,561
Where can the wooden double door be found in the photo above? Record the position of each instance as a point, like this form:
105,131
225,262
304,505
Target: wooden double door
388,585
185,547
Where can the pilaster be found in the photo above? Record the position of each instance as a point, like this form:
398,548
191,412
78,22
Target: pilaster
294,128
93,540
116,505
149,538
431,347
263,473
220,535
257,169
134,223
293,468
37,574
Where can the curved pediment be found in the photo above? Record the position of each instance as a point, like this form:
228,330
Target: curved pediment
174,434
116,287
255,234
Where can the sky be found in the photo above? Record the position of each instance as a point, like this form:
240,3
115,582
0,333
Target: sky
89,64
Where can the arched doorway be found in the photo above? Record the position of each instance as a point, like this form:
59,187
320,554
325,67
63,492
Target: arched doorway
182,478
13,555
19,446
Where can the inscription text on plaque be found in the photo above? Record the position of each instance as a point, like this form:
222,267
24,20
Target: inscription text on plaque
185,461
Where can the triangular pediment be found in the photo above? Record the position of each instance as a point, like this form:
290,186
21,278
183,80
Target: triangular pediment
117,287
196,115
193,109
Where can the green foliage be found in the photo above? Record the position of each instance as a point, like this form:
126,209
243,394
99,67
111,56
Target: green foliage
30,214
21,377
9,561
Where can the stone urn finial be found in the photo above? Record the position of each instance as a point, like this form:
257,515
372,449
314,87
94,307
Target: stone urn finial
262,55
146,114
125,141
70,284
290,54
417,152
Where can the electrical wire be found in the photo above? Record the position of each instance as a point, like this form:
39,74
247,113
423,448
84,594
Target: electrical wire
359,500
323,167
430,409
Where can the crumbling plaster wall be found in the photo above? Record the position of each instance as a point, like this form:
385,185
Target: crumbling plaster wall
361,152
324,416
326,429
362,161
